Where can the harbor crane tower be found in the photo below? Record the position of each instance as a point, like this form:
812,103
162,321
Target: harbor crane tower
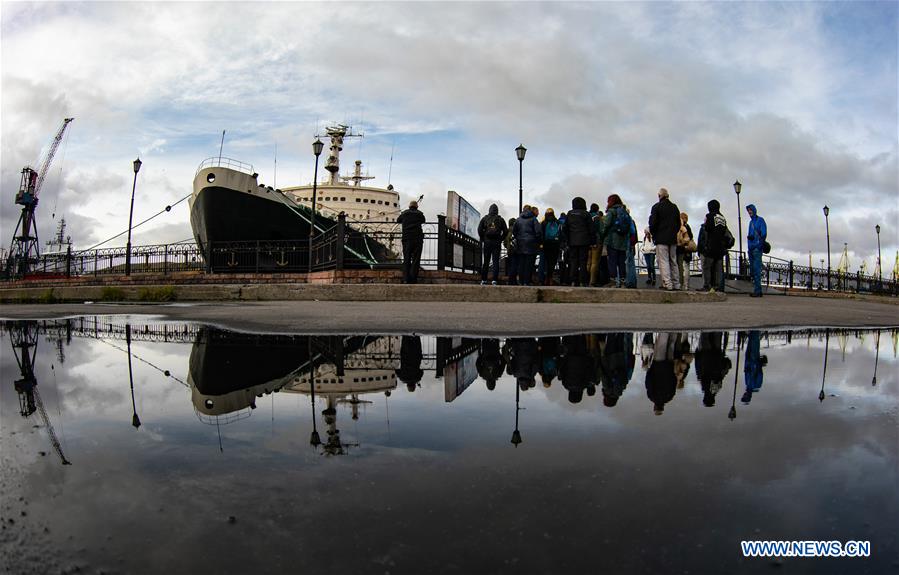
24,249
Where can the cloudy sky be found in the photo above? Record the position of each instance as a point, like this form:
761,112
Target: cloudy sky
796,100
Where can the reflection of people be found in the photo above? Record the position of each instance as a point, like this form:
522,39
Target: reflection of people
523,361
576,367
712,364
410,371
683,357
548,354
490,362
661,381
413,241
618,366
754,363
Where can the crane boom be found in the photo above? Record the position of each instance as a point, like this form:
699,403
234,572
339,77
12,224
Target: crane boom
24,250
53,440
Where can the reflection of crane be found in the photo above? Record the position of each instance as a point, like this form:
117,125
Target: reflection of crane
23,337
25,249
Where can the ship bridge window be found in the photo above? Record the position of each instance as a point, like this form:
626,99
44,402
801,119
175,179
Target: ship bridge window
342,199
210,177
365,201
358,199
328,199
380,202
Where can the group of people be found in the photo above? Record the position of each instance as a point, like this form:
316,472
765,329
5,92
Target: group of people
597,248
606,362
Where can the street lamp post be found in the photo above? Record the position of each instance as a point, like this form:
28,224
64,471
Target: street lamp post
137,164
737,188
879,261
520,151
317,147
827,228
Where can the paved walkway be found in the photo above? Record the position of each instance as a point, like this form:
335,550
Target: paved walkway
490,318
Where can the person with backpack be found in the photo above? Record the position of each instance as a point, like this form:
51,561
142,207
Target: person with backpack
528,235
712,246
649,256
578,234
685,248
491,231
413,241
664,223
757,234
552,238
616,229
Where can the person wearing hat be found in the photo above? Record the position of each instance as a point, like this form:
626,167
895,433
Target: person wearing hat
413,241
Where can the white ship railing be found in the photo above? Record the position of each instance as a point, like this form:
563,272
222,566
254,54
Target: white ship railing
230,163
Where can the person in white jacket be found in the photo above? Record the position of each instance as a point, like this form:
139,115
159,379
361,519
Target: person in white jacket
649,256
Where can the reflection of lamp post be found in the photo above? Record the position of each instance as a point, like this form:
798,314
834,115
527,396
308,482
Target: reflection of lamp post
876,357
732,414
879,261
314,439
821,395
737,188
137,164
317,147
516,435
520,152
135,420
827,228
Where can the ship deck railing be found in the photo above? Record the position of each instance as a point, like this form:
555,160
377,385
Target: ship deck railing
222,162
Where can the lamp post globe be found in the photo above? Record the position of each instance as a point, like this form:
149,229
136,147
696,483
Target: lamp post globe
737,188
520,151
136,164
317,147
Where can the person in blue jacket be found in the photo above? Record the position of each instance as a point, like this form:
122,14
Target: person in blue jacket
756,235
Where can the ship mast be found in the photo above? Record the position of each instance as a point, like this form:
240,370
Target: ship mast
337,134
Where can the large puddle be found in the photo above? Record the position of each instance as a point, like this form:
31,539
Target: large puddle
136,447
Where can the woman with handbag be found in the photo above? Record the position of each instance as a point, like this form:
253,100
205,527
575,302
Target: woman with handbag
685,248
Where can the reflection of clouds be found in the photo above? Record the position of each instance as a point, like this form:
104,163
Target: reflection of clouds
788,465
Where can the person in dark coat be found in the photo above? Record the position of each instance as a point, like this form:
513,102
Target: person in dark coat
413,241
490,363
579,236
528,236
712,364
410,371
661,380
618,362
548,359
712,246
664,223
491,232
